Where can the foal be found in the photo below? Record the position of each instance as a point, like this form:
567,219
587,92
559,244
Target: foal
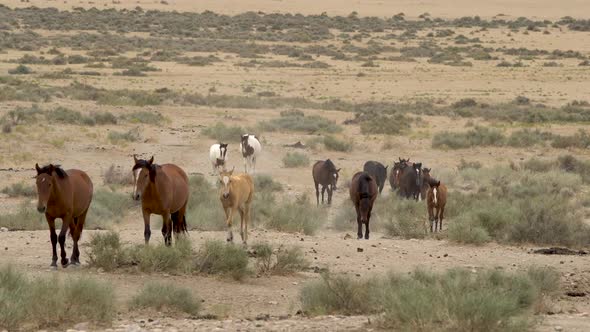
436,199
66,195
363,192
236,193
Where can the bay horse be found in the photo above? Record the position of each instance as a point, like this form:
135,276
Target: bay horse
377,171
396,172
65,195
251,149
411,181
363,192
218,155
436,199
163,190
326,174
236,193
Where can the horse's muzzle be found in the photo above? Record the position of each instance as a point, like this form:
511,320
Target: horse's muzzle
41,209
225,195
136,197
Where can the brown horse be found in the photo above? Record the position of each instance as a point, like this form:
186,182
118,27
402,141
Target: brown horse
65,195
326,174
363,192
236,193
436,199
163,190
396,172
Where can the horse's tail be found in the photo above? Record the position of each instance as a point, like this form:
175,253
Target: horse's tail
178,225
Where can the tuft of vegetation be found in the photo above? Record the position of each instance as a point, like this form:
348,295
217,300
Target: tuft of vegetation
146,117
21,70
204,210
281,261
107,207
479,136
47,302
165,296
114,175
386,125
334,144
132,135
456,300
298,122
295,159
217,257
223,133
106,252
19,189
299,216
26,218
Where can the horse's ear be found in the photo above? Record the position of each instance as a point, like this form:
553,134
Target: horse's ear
400,159
37,168
135,160
232,171
386,168
408,160
438,183
151,161
338,170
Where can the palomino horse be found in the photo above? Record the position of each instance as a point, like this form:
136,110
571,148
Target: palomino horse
251,148
326,174
236,193
65,195
436,199
377,171
218,155
163,190
363,192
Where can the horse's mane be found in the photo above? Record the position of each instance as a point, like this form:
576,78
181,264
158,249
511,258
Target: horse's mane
330,165
47,169
363,189
141,163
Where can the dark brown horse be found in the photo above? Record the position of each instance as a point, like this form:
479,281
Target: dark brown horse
396,172
363,192
377,171
65,195
436,199
411,181
163,190
326,174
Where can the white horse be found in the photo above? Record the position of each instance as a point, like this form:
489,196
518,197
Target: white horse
251,148
218,156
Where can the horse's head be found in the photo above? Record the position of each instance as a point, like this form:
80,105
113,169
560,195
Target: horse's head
335,176
418,169
143,173
222,150
398,167
225,181
45,183
426,174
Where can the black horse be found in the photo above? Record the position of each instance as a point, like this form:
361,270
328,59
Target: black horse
411,181
377,171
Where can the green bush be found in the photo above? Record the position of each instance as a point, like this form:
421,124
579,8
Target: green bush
105,251
334,144
21,70
388,125
223,133
19,189
68,116
297,216
131,135
300,123
217,257
159,296
456,300
295,159
146,117
161,258
26,218
282,261
479,136
47,302
107,207
526,138
204,212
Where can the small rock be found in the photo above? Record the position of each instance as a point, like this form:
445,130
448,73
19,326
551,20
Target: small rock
3,229
446,255
273,302
347,236
360,249
558,328
81,326
295,283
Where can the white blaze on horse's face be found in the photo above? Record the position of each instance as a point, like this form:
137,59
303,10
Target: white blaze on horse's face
435,194
225,181
135,180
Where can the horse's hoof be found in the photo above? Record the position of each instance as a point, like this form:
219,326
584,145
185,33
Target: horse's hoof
64,262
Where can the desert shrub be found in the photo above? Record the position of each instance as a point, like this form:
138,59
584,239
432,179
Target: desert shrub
300,123
147,117
479,136
26,217
223,133
106,251
463,164
400,217
464,103
21,70
296,216
165,296
19,189
580,140
107,207
130,72
161,258
217,257
47,302
281,261
334,144
538,165
21,115
526,138
199,60
387,125
204,209
103,118
265,183
131,135
114,175
571,164
68,116
456,300
295,159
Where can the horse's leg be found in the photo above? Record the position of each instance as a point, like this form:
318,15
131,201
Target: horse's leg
441,215
317,193
229,214
147,233
76,236
253,164
242,214
359,225
167,228
75,248
329,194
323,191
431,219
367,224
246,222
66,221
53,237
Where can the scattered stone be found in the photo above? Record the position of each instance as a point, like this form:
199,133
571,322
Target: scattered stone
3,229
575,294
360,249
81,326
446,255
560,251
347,236
558,328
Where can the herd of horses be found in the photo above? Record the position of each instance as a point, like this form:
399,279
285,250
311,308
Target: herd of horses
164,190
